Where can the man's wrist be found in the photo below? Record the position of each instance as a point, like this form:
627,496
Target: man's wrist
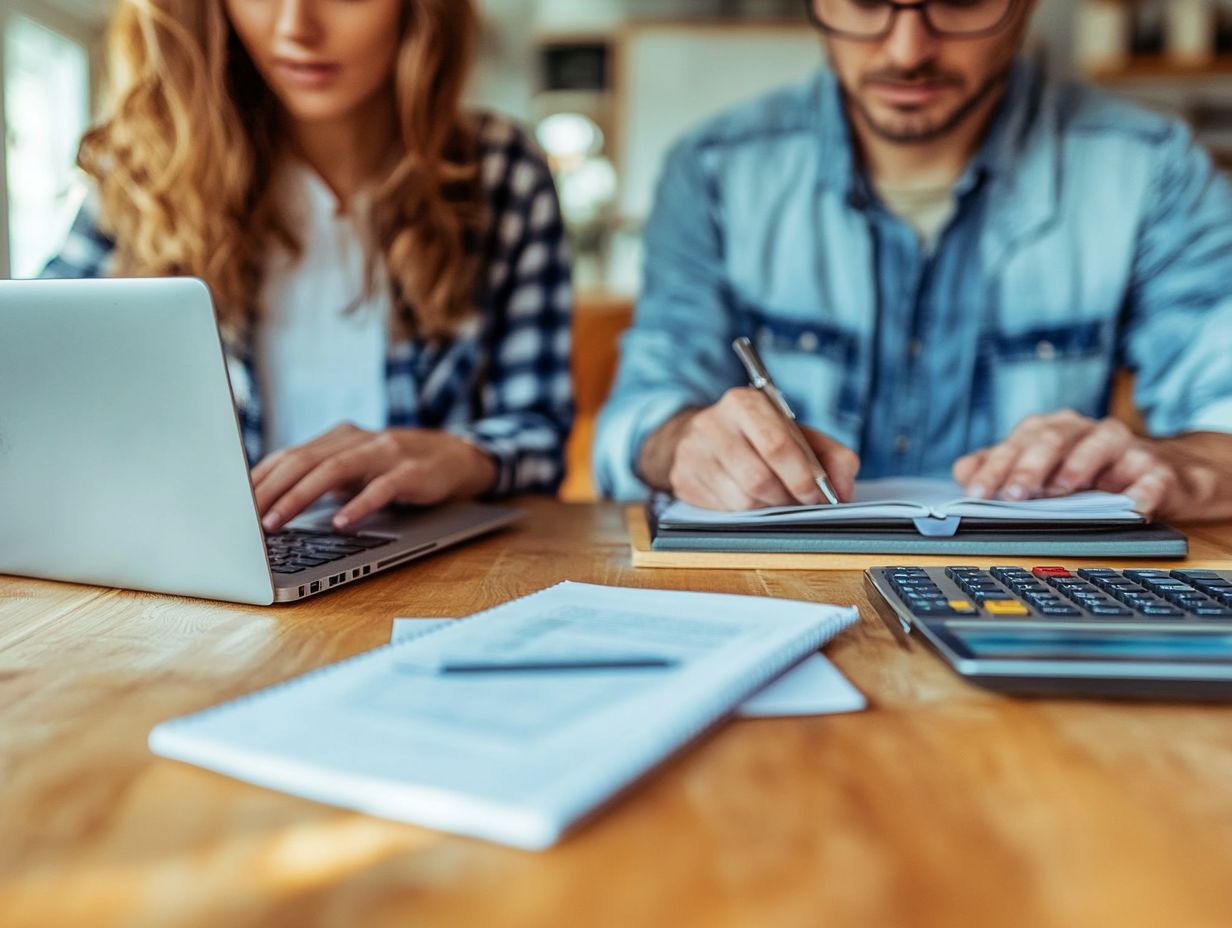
658,452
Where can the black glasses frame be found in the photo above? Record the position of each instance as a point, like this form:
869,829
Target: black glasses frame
897,7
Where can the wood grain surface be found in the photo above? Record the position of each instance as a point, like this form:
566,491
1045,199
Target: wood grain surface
941,806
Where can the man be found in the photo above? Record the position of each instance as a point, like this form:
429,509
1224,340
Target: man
943,258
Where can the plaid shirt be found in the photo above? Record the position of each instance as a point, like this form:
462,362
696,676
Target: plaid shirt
503,382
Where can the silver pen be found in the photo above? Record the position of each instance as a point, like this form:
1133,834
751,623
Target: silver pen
760,378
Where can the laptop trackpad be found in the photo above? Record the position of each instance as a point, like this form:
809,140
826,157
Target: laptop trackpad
320,517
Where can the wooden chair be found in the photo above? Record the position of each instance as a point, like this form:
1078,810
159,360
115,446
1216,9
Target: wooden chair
598,322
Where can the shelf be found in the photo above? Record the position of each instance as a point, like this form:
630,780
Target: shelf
1162,68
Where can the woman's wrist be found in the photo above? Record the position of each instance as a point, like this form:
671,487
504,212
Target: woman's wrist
480,468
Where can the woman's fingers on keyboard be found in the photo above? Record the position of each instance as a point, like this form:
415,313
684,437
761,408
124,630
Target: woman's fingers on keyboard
341,470
279,474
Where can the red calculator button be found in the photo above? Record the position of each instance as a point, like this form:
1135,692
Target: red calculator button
1051,572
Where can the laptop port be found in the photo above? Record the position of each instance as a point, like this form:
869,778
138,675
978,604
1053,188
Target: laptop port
355,573
316,587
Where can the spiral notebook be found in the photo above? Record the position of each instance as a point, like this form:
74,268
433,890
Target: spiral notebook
513,756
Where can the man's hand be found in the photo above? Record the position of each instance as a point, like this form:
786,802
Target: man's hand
738,454
1064,452
414,466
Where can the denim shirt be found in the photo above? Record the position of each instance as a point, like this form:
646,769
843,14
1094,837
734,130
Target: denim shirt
1090,236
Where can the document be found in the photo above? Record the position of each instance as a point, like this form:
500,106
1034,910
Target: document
516,756
911,499
813,687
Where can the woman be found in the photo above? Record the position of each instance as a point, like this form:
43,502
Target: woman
390,275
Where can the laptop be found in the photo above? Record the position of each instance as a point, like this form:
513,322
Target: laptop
122,463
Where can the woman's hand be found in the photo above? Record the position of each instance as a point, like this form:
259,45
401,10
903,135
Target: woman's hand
414,466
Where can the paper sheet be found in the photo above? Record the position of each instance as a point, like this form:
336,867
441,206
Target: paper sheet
813,687
516,757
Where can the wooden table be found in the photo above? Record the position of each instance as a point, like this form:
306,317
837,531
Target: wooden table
942,806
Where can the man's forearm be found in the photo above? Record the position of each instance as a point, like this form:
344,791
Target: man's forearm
658,453
1203,462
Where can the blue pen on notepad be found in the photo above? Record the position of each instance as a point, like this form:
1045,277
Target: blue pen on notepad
547,665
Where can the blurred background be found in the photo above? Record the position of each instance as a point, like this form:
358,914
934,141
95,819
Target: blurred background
606,85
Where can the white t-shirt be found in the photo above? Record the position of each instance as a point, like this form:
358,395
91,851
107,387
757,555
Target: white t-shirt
928,210
321,342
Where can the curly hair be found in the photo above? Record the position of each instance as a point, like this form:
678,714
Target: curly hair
185,157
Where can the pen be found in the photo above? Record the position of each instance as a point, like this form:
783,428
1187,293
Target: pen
636,663
759,377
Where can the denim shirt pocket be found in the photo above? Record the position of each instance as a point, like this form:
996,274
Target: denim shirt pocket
1049,368
817,366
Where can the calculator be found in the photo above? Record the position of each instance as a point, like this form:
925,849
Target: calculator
1096,631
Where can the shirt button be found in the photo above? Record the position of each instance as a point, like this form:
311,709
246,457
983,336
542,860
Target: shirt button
808,341
902,444
1046,351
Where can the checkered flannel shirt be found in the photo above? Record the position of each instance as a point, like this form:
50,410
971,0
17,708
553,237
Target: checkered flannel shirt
503,382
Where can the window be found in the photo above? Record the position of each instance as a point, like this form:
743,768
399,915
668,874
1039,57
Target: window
46,107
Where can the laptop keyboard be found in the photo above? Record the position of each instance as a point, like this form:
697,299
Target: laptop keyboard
294,550
1055,594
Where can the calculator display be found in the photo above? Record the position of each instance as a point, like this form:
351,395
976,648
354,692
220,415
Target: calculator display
1036,644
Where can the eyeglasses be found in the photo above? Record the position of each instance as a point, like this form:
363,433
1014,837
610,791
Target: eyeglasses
873,20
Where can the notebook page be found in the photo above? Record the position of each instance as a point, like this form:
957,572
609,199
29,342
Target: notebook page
874,499
911,498
511,757
1078,507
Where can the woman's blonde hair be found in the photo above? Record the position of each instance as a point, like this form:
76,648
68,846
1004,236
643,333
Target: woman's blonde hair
185,158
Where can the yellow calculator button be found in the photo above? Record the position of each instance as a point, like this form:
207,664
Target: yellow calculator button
1006,607
961,605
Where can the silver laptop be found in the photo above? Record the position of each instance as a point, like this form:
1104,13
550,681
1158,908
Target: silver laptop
121,462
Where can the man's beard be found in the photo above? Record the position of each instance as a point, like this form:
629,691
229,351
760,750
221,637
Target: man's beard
928,133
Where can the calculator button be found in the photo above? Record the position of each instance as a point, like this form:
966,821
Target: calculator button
961,605
1091,573
1006,607
1008,574
1051,572
988,599
1145,574
933,610
1188,575
955,572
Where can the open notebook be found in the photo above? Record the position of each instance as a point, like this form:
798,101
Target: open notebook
512,756
935,507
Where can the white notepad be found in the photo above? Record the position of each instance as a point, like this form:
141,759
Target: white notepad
914,498
516,758
812,687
